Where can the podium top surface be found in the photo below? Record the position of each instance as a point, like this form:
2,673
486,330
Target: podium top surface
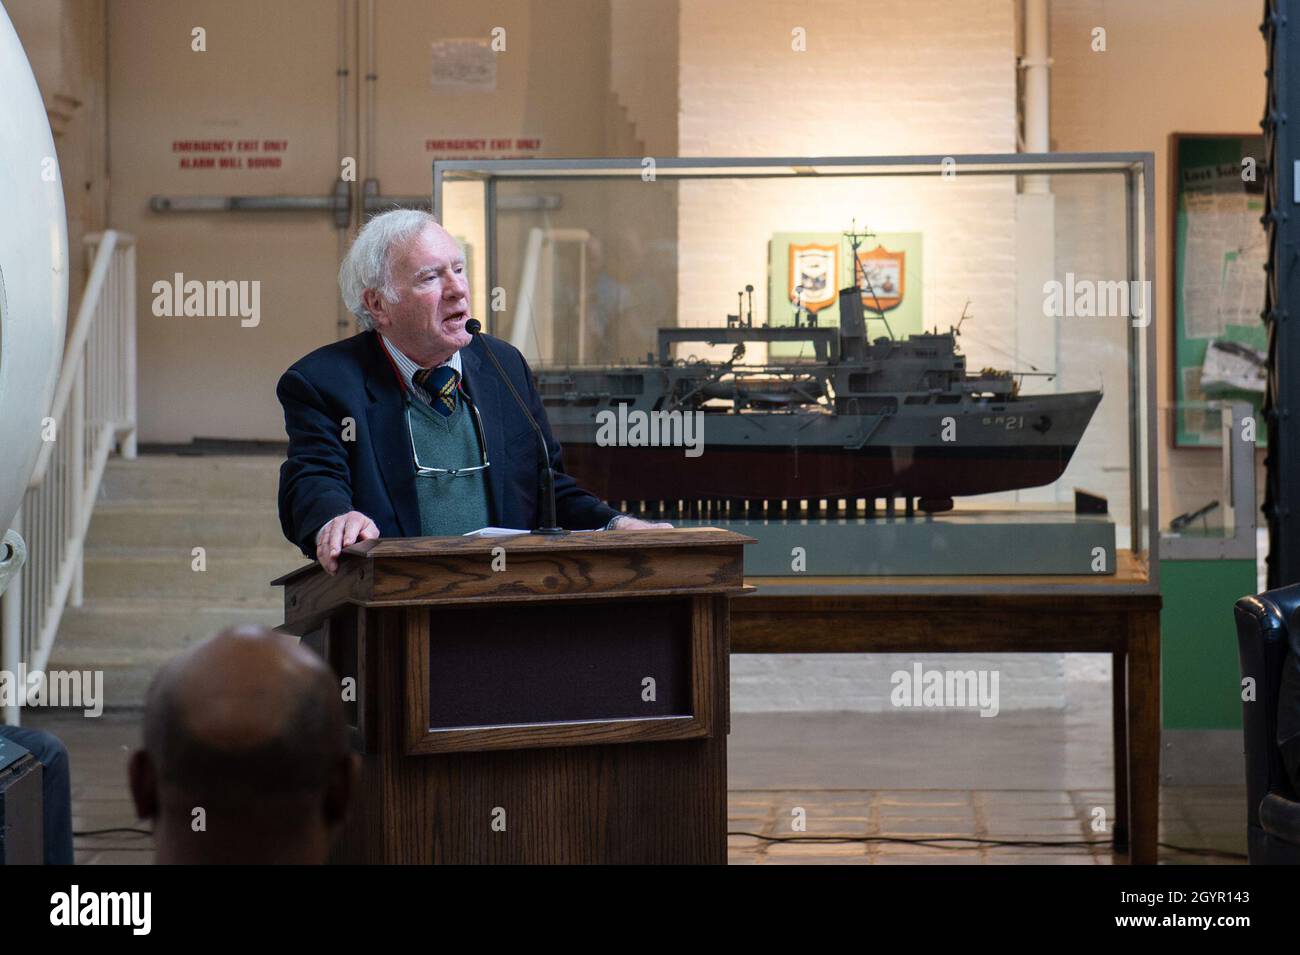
399,547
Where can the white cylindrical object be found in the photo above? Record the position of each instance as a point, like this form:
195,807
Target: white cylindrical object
1037,67
33,270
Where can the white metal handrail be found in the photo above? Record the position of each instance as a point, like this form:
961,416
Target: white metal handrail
94,410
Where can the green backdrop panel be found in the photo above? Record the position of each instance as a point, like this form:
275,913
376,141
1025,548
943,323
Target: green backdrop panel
1200,673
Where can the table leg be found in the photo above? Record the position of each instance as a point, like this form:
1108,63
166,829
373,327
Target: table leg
1119,730
1144,735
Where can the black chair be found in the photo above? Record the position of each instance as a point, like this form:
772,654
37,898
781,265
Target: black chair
1268,640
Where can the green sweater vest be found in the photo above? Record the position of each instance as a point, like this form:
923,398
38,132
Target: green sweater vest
448,505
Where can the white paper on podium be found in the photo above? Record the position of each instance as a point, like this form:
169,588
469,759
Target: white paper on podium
510,532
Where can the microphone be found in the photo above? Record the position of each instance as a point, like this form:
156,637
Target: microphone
547,476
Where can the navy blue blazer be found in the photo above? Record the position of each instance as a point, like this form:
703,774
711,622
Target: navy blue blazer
326,476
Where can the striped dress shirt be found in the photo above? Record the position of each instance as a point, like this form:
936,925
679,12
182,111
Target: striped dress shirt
408,368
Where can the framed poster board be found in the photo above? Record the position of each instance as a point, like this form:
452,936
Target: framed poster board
1218,253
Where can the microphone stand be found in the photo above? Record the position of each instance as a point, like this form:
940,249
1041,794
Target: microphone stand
547,476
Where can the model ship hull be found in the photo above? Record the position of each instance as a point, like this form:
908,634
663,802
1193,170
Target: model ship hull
995,447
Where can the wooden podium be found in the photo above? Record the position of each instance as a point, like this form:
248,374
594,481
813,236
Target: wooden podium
531,699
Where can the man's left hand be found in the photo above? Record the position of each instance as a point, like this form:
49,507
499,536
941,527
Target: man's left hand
626,523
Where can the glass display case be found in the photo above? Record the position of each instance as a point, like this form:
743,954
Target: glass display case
878,367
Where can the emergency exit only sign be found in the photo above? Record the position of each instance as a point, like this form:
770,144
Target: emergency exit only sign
230,153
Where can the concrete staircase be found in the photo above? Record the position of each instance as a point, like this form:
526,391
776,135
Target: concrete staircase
144,602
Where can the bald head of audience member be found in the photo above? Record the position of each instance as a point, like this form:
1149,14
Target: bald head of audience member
246,756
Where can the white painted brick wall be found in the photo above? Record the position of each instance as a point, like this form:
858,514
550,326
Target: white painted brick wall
892,76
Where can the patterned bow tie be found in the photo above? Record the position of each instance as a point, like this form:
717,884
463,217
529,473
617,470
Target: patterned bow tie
441,384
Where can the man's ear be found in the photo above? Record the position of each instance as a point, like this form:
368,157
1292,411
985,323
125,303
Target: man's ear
377,306
144,785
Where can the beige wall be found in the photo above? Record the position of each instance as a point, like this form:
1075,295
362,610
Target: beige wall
552,81
270,73
644,65
1189,66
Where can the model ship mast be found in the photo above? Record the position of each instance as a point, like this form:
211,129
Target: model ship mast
855,242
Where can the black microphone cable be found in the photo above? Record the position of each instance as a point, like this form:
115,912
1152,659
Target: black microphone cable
548,524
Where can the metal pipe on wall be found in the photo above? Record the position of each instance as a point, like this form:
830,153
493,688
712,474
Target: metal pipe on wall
1036,105
343,318
372,76
1037,66
342,72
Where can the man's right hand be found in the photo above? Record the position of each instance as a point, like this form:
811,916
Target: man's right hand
341,532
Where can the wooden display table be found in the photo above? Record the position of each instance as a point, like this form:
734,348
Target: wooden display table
991,615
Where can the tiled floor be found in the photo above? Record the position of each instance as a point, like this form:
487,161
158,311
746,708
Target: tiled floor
868,786
98,750
961,826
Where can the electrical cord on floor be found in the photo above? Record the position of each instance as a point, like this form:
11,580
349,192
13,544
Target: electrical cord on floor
1191,851
939,843
103,832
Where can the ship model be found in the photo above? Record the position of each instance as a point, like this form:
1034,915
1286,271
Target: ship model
859,420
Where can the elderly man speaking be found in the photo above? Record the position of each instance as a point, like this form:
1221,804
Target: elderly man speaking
407,429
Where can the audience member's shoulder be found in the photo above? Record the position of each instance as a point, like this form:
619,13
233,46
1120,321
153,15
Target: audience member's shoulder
335,358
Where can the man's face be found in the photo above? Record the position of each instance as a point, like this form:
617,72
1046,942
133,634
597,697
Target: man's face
428,277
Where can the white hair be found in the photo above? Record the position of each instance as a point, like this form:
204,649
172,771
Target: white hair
368,263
